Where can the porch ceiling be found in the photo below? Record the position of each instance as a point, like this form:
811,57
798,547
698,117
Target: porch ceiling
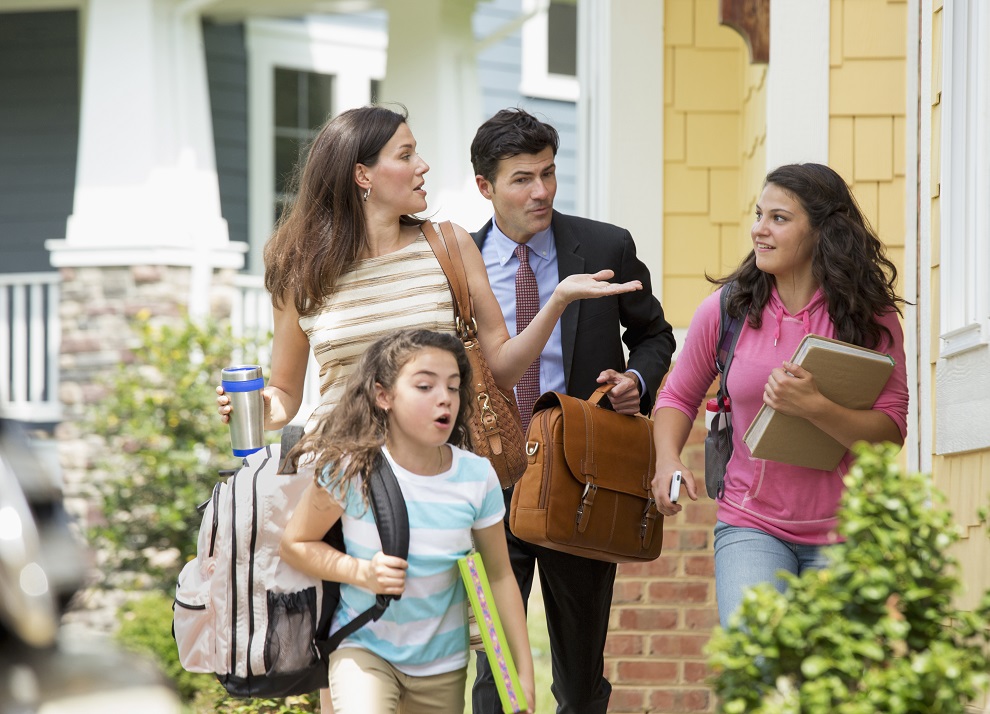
219,9
241,9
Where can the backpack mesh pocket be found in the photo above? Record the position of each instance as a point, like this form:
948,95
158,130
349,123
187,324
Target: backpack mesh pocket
289,645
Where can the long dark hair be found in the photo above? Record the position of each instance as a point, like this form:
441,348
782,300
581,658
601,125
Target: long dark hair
321,234
848,261
347,440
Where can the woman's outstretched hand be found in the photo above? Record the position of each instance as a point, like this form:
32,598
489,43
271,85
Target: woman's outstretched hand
584,286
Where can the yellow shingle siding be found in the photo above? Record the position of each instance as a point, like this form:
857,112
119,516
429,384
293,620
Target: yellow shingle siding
868,85
711,94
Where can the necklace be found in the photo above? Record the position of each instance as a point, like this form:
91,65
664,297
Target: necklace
426,471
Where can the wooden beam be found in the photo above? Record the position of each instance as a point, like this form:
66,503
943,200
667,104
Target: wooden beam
751,19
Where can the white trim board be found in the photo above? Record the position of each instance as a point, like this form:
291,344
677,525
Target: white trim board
798,83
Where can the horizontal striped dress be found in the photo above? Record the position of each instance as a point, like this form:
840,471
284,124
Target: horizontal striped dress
405,289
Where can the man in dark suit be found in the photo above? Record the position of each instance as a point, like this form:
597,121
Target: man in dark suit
513,154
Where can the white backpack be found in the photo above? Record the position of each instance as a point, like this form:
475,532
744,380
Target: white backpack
260,625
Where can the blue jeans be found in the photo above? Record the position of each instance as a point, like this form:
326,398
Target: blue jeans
747,556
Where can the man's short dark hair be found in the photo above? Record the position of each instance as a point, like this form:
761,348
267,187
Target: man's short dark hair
509,133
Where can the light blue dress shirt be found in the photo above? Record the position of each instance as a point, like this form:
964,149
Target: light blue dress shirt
498,252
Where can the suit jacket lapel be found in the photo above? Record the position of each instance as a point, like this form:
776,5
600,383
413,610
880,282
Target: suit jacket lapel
569,262
480,236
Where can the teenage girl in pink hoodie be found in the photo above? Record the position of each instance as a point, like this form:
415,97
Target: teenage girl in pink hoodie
816,267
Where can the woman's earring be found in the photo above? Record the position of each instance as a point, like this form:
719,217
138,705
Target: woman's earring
367,192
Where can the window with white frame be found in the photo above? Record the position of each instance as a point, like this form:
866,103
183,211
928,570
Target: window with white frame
965,178
962,370
300,72
303,102
549,50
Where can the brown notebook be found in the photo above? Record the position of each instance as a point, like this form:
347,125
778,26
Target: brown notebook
848,375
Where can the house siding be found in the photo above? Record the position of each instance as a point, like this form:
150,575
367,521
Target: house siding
866,126
714,129
963,477
499,76
226,69
39,133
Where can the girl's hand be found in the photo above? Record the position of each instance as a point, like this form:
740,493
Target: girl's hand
583,286
791,390
528,685
384,574
223,405
661,487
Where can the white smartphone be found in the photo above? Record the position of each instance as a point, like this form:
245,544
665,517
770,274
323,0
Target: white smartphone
675,486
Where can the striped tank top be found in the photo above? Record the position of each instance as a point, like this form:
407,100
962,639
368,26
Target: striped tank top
405,289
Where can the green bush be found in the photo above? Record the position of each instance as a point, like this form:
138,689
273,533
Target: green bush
877,630
146,628
164,446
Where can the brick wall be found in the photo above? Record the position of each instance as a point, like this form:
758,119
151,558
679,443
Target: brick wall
663,612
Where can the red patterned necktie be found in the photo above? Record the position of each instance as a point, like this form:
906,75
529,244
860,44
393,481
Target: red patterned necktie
527,305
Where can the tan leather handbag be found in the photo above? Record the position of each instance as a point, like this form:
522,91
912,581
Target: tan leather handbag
586,490
496,429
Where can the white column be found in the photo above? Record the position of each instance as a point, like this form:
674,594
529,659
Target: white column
620,157
797,82
432,69
146,181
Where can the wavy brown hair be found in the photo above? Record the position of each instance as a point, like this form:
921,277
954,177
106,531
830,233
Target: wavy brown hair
848,261
323,232
346,441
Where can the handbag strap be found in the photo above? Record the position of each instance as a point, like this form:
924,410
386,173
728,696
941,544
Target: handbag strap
451,262
449,239
597,395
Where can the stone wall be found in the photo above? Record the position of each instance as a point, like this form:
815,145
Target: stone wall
98,304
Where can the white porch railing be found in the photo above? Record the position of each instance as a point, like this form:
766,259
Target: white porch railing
251,314
30,337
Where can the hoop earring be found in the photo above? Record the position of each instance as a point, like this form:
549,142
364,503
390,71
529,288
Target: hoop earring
367,193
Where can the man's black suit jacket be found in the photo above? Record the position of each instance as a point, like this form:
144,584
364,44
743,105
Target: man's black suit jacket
592,331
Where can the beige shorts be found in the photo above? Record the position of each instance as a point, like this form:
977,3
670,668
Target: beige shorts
364,683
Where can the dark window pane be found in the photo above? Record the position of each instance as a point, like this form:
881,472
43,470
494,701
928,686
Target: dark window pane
286,97
286,157
376,90
320,98
562,39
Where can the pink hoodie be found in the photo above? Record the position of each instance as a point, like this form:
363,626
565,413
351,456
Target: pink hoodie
793,503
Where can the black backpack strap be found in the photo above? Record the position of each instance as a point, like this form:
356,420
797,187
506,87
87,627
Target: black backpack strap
725,349
389,508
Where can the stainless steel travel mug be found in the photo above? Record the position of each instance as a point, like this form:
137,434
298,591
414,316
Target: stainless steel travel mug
243,384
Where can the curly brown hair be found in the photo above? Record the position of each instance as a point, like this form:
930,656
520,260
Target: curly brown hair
346,441
849,261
